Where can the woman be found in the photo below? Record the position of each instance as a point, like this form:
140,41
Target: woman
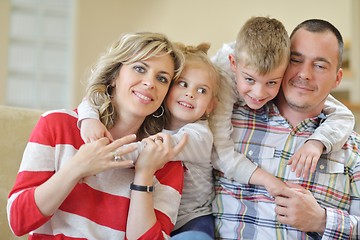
69,190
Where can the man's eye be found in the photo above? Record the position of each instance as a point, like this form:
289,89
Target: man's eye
294,60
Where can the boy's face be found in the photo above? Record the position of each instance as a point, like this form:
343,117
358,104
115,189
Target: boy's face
191,96
256,89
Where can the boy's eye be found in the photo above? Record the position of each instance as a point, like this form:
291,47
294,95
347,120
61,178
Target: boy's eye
272,83
201,90
139,69
182,84
250,80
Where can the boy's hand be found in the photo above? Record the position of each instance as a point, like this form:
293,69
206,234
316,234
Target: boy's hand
273,185
92,130
306,158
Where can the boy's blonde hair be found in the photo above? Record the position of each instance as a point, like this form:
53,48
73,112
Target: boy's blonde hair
262,44
129,48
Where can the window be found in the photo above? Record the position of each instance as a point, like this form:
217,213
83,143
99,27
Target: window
39,61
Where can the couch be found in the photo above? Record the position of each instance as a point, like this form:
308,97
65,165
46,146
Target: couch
16,125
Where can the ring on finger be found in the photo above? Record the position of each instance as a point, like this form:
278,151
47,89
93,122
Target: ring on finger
159,138
117,157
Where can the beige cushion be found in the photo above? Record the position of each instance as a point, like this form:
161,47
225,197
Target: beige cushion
16,125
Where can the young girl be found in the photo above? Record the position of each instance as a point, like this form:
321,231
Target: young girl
189,102
66,189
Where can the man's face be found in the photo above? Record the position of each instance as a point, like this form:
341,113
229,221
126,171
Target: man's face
312,72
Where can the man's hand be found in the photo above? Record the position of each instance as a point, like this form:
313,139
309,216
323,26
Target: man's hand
298,208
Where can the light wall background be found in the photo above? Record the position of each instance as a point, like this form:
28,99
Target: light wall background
98,23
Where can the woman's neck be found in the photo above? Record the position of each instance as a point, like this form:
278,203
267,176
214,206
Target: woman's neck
126,126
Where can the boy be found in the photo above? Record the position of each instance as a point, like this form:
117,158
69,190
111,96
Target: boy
258,61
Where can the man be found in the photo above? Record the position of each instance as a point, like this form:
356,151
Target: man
326,205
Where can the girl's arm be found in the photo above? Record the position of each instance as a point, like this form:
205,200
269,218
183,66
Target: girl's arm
91,128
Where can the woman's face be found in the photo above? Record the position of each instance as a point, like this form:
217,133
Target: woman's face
140,87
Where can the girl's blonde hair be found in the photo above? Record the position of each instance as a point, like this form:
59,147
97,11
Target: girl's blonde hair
198,54
129,48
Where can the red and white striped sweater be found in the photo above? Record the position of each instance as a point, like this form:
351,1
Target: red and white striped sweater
96,208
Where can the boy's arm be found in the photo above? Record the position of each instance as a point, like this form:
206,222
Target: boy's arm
337,127
330,136
233,164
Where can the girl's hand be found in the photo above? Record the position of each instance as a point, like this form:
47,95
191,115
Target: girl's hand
92,130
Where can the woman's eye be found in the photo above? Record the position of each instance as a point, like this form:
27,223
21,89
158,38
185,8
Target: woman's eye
139,69
182,84
163,79
201,90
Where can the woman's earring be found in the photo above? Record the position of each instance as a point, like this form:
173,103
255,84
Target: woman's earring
162,113
108,90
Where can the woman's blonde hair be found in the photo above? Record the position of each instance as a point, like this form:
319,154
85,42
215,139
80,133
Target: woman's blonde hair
129,48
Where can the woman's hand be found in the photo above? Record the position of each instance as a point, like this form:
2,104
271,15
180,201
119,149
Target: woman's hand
157,152
101,155
91,159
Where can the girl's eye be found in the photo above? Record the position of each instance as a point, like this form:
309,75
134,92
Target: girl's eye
182,84
139,69
163,79
201,90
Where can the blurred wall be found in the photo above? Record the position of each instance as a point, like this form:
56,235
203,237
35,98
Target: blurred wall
98,23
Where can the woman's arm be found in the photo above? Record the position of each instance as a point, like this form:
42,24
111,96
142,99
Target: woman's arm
154,156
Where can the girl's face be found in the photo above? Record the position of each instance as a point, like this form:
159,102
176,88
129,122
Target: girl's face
140,87
191,96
